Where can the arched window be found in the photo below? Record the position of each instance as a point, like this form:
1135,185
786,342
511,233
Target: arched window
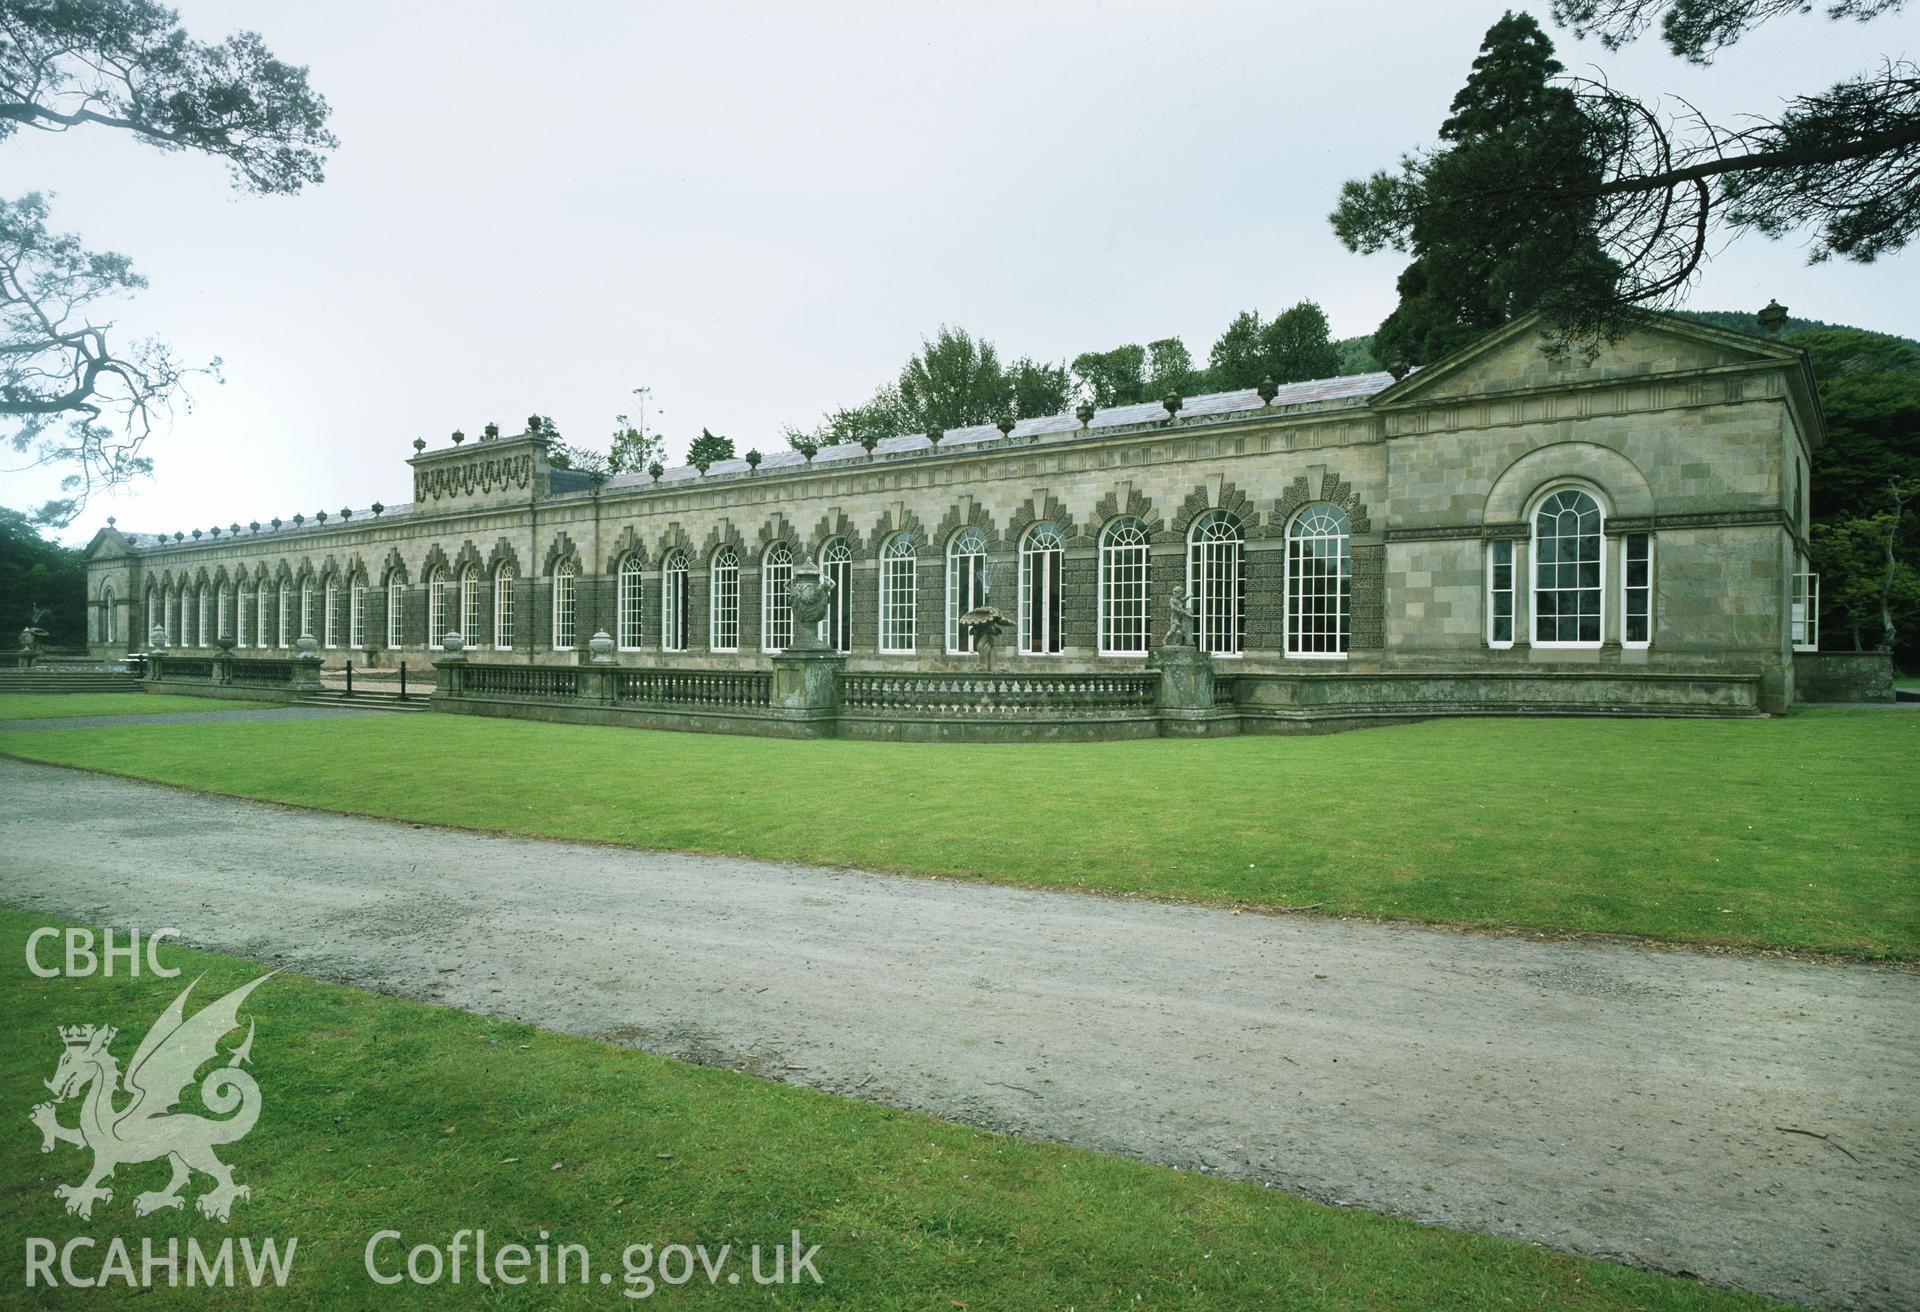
723,601
470,607
109,616
1124,618
628,609
776,607
223,613
329,613
1319,582
436,607
285,594
306,609
673,601
836,562
563,606
1217,581
262,613
966,584
1042,551
503,608
897,561
1568,564
153,610
357,611
242,614
200,609
396,612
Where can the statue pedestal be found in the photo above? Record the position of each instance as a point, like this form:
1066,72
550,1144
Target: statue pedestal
808,681
1186,678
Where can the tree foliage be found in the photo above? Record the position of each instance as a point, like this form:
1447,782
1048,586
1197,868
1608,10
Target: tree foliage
1648,190
708,449
36,574
71,397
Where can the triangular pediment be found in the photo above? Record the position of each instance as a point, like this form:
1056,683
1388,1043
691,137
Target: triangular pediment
107,543
1511,359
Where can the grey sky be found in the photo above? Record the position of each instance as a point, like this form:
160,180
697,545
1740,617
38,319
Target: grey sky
757,211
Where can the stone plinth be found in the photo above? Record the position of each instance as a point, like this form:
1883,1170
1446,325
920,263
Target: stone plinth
808,680
1186,678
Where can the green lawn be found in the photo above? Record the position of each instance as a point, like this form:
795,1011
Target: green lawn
66,705
387,1115
1800,833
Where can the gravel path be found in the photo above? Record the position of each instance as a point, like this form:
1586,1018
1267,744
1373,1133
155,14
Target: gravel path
1602,1099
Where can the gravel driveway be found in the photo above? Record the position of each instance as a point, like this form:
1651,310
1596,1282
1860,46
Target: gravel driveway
1602,1099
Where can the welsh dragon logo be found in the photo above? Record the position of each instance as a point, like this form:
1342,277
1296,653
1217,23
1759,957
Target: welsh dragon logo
147,1127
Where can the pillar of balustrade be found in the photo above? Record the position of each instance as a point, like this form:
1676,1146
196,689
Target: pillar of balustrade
306,664
447,665
598,674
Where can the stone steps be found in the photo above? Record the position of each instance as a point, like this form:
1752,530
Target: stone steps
24,681
337,700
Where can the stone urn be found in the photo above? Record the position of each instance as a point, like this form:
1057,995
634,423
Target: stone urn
307,647
453,645
224,643
810,592
600,647
157,638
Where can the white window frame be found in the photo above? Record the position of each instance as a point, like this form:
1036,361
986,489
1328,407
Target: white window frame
1599,590
1803,610
899,595
357,612
836,563
564,626
470,608
436,607
262,613
1320,522
1495,592
503,608
629,618
200,616
776,605
1627,589
330,600
242,614
723,600
222,612
966,585
286,605
1043,558
396,613
675,611
306,611
153,608
1125,603
1218,610
109,616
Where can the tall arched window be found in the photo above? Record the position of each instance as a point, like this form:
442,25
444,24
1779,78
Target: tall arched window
1568,564
470,607
436,607
673,601
396,612
109,616
357,611
776,607
200,609
242,615
723,601
329,613
1042,552
153,611
628,609
262,612
503,608
563,606
966,584
1124,618
306,609
897,562
836,562
223,614
1217,580
1319,582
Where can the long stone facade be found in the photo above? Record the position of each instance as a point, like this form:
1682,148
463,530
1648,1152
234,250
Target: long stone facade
1499,532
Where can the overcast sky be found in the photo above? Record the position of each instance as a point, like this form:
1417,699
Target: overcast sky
757,211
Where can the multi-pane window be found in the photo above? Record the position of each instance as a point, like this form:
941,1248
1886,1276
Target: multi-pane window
470,607
436,607
1217,582
330,610
153,609
109,617
503,608
1124,619
1636,590
1804,613
627,614
836,562
224,618
776,606
966,584
1042,551
723,601
563,606
674,606
1567,593
286,604
242,617
357,612
396,613
1500,592
306,611
262,614
897,562
1319,582
200,617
